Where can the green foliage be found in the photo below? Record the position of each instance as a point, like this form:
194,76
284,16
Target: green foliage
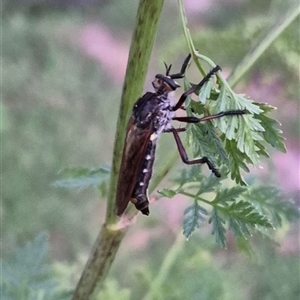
209,144
82,178
194,215
232,140
242,136
240,209
271,202
167,193
271,134
111,291
28,276
218,228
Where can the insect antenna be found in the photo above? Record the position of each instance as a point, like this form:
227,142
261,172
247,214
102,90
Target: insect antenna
183,68
168,69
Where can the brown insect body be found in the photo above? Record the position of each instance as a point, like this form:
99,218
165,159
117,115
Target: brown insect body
150,117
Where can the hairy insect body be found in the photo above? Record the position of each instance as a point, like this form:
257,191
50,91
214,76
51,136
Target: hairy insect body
154,114
153,111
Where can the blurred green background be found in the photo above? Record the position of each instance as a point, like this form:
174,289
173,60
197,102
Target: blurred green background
63,64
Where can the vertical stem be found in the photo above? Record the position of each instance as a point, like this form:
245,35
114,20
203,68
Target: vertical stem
100,261
142,43
112,233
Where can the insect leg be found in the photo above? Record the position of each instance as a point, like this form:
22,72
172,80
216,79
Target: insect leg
184,157
195,88
211,117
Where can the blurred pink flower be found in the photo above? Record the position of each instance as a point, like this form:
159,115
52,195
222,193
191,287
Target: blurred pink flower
196,6
99,43
288,169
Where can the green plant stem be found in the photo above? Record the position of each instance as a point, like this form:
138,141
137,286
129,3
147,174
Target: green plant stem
112,233
169,261
99,263
138,61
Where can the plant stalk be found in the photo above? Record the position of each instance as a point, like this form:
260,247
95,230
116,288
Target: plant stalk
262,45
112,231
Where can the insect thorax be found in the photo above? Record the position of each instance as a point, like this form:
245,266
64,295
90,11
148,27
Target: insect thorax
153,111
164,115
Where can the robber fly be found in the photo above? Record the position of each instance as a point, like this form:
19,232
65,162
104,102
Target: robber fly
152,115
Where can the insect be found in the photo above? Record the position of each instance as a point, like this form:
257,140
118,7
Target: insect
152,115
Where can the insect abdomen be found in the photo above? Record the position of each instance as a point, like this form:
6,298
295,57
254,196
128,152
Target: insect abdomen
139,195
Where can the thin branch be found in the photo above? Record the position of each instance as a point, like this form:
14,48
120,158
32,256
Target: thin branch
261,46
169,261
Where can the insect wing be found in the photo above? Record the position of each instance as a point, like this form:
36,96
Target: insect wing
136,142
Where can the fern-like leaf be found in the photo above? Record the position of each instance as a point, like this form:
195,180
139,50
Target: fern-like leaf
218,228
269,201
193,216
28,276
272,133
83,178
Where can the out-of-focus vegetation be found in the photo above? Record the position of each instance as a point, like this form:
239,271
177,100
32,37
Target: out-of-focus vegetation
59,110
